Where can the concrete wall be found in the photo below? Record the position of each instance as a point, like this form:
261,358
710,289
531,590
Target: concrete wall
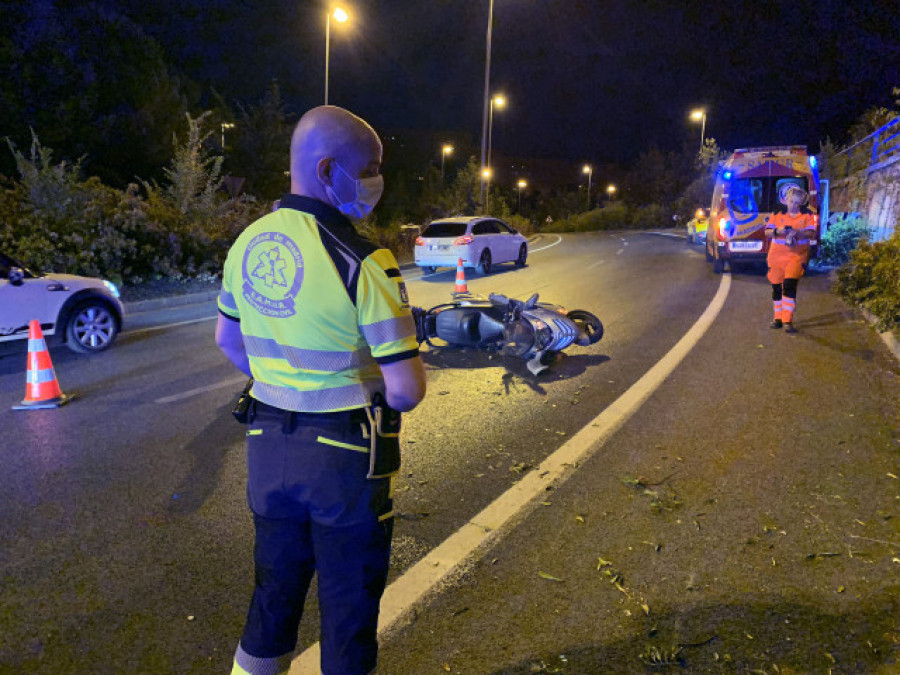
875,193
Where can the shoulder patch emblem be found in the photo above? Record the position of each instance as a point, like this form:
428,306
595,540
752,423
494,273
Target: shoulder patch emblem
404,295
273,273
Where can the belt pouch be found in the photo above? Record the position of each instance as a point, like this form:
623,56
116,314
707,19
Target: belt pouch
384,439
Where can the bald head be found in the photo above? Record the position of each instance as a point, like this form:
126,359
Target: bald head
326,135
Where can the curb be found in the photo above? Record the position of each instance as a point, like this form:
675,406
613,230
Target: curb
888,337
169,301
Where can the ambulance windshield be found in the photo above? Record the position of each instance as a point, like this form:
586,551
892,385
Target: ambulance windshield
749,196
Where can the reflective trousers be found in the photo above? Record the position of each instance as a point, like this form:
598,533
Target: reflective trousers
314,511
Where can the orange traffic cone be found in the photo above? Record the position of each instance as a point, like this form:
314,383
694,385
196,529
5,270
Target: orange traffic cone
460,279
41,387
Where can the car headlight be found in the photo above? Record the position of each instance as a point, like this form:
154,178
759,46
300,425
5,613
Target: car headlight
112,288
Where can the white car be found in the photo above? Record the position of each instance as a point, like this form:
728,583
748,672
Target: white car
86,313
481,242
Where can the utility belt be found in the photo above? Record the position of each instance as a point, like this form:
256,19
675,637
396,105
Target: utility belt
380,426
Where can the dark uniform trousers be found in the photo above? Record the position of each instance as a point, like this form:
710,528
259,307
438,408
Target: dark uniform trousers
314,510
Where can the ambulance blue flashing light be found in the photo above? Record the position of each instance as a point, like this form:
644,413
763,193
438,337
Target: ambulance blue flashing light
727,175
812,161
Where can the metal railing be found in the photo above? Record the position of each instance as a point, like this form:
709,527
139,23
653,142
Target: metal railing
887,141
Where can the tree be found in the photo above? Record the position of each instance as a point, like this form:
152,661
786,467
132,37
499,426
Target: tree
91,84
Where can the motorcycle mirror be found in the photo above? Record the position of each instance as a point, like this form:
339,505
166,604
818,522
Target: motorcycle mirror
531,302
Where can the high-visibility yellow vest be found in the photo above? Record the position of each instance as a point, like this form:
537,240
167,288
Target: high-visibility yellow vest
319,308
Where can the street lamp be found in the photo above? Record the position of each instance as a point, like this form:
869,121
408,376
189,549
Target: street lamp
699,115
340,16
522,184
487,89
446,150
589,170
500,101
486,174
611,191
225,125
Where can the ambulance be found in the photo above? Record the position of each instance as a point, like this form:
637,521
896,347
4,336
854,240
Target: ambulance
748,189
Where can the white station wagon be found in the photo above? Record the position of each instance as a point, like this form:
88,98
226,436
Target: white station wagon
481,242
86,313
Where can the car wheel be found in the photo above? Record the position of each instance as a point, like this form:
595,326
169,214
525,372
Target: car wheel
91,327
429,269
484,263
523,256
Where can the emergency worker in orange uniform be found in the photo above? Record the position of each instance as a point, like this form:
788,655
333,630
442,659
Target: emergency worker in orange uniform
790,234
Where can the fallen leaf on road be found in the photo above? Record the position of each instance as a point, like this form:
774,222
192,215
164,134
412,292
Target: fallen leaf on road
550,577
579,519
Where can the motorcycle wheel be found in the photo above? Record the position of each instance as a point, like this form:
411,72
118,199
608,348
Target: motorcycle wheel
589,323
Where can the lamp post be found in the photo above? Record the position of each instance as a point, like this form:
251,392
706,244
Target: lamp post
224,126
611,191
340,16
522,184
589,170
446,150
486,174
487,89
500,101
699,115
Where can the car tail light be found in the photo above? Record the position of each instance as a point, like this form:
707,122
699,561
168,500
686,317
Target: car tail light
464,240
724,226
420,241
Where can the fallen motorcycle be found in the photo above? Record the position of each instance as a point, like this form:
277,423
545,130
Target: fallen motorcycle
531,330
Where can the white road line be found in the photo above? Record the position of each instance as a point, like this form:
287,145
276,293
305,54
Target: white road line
592,265
474,538
544,248
168,325
666,234
202,390
619,252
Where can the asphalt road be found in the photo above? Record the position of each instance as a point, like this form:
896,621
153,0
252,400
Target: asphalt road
127,542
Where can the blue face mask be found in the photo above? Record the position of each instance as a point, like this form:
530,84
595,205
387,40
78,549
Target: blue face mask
366,193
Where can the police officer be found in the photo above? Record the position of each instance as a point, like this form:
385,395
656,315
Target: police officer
321,320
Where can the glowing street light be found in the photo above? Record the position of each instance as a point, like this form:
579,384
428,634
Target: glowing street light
589,170
500,101
699,115
225,125
341,17
522,184
611,191
446,150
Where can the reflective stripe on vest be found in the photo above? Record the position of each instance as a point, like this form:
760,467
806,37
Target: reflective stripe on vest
317,400
307,359
389,330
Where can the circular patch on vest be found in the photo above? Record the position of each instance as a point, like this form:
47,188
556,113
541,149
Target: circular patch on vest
273,273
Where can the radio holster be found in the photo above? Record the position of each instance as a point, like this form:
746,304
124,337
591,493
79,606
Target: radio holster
384,438
242,410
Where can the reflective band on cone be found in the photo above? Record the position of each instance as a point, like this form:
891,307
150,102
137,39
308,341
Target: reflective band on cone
41,386
461,286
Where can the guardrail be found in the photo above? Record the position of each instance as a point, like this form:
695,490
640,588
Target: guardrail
887,141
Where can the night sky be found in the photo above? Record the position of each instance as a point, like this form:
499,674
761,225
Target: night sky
587,80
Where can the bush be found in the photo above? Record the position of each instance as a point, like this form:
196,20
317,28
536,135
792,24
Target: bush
845,231
650,216
612,217
871,279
